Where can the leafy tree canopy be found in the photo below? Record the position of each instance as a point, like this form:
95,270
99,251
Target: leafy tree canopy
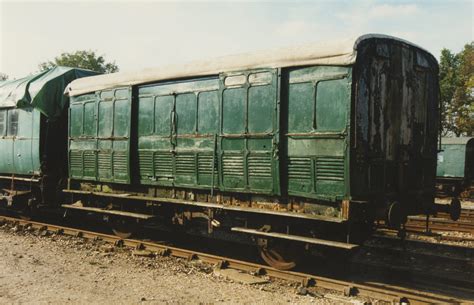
456,80
81,59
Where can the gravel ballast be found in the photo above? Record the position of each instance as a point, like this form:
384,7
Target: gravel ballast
36,269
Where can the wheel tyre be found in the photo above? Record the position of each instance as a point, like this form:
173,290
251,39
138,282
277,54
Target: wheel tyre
455,209
395,215
123,228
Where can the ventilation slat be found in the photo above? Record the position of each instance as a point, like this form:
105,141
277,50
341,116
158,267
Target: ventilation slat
185,164
330,168
233,165
299,168
89,160
163,164
205,164
145,159
259,166
75,159
120,162
104,161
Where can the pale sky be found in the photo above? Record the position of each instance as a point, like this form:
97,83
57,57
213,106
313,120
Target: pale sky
139,34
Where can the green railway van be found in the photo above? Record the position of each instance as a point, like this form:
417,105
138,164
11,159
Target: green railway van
455,168
33,133
300,141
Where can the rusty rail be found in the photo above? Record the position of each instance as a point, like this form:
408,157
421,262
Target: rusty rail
418,223
467,215
373,290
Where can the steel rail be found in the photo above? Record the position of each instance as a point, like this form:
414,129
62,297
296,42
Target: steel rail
467,215
440,224
420,231
373,290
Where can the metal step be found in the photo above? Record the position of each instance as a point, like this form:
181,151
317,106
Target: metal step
110,212
309,240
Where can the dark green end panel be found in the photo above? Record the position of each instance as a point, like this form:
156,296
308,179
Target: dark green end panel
19,141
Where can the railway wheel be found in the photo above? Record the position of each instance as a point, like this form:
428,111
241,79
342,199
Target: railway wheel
396,216
455,209
123,228
279,257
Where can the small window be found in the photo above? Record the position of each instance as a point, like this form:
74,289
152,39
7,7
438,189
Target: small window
261,106
163,109
107,95
146,113
2,122
76,122
233,112
121,118
301,107
208,111
332,99
105,119
186,113
235,80
12,122
89,120
260,78
123,93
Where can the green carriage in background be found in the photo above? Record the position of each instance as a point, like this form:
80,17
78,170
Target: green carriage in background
455,169
33,133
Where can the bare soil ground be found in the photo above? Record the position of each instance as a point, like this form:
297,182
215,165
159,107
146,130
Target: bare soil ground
66,270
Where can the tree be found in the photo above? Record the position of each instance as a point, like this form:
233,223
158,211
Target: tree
447,85
463,100
81,59
456,80
3,76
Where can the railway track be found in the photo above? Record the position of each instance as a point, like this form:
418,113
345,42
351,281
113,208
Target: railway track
418,260
373,290
439,224
416,225
419,231
467,215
